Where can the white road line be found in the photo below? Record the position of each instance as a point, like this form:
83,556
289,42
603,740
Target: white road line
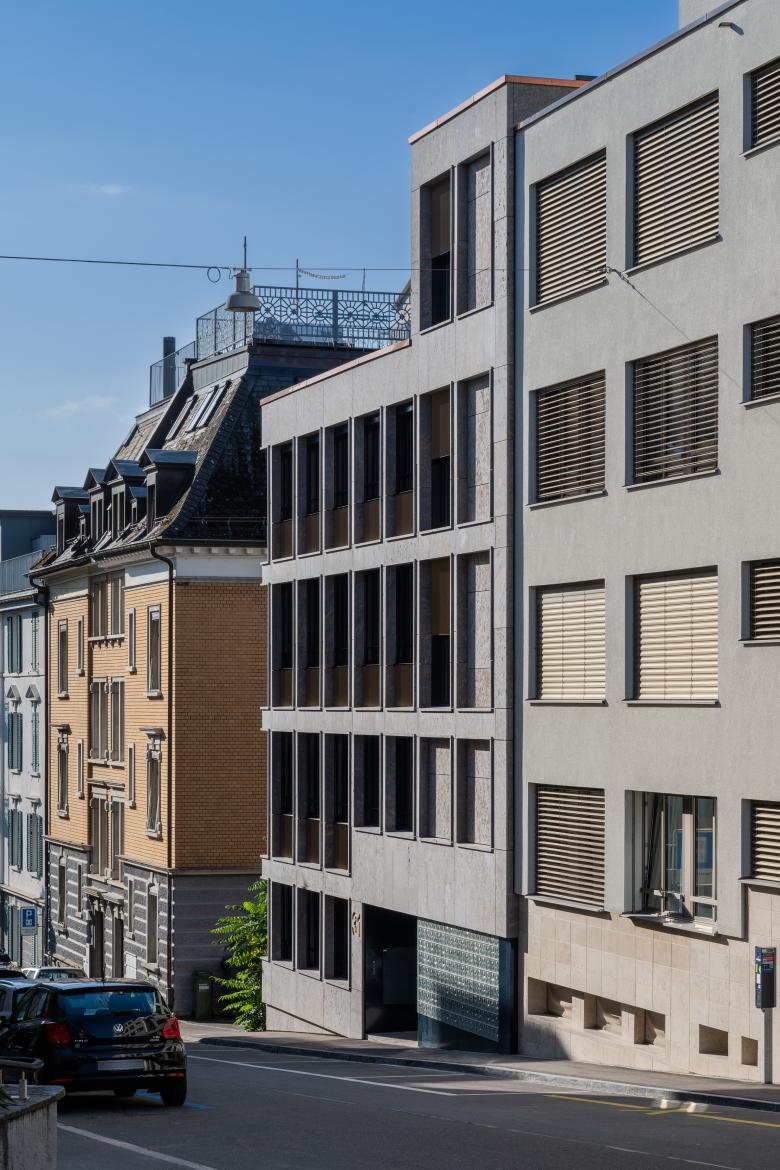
299,1072
98,1137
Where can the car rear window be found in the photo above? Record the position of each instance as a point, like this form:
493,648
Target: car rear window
86,1004
58,975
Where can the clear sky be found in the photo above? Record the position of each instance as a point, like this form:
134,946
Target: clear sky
166,130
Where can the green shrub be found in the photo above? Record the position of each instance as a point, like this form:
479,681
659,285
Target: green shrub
243,932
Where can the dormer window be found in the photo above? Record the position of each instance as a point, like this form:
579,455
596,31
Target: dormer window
61,528
97,517
151,506
117,512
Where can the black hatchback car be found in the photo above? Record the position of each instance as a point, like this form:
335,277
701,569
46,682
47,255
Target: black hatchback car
93,1034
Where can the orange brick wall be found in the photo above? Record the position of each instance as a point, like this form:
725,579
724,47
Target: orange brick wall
74,828
220,685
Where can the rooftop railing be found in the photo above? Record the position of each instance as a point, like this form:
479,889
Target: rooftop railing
167,374
341,318
13,572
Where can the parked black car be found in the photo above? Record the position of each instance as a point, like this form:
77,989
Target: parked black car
93,1034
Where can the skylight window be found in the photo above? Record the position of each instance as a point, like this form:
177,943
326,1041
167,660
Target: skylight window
173,432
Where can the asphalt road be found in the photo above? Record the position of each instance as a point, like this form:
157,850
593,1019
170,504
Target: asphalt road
249,1110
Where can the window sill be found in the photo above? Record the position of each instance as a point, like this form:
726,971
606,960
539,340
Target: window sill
402,834
538,504
760,641
309,972
569,296
309,865
150,968
473,523
131,669
767,400
566,903
433,531
672,702
368,543
762,146
717,238
63,695
275,857
435,326
436,841
687,926
401,536
428,710
374,830
465,313
339,872
80,672
652,483
63,812
567,702
767,883
474,847
153,834
153,694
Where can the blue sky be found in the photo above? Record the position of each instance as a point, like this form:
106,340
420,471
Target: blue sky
167,130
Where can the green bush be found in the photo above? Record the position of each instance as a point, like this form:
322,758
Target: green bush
243,932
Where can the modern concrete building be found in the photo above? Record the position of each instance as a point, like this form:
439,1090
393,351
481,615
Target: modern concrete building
23,537
391,850
157,649
648,497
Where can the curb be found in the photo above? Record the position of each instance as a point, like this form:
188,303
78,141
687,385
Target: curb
553,1080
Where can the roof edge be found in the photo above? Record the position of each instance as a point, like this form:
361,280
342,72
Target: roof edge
506,79
316,378
637,58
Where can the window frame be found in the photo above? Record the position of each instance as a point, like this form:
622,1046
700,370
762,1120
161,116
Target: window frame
154,653
62,658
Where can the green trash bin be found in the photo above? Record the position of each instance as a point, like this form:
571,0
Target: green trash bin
201,995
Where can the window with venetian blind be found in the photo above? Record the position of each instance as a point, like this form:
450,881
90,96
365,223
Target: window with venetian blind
571,655
765,358
765,601
570,457
570,844
676,197
765,840
571,229
676,631
675,409
765,104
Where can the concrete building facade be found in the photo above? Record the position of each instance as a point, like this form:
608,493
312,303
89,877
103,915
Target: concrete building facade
648,499
391,853
23,536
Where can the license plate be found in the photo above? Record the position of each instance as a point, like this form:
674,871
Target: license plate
121,1065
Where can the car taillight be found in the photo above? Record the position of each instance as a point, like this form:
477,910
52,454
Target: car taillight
57,1033
171,1029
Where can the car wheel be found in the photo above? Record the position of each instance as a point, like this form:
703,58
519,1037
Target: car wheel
174,1092
125,1091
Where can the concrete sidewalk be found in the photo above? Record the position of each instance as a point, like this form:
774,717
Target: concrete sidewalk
553,1074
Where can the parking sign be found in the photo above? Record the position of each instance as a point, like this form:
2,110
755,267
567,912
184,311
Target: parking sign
29,918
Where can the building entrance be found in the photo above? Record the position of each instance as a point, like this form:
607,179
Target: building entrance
390,971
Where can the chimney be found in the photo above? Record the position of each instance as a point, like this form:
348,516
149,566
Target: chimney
691,10
169,366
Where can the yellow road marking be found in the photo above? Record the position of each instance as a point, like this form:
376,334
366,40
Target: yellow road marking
665,1112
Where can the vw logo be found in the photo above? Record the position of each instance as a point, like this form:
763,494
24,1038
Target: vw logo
118,1029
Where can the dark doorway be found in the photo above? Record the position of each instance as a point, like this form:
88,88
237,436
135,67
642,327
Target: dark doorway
97,961
118,948
390,971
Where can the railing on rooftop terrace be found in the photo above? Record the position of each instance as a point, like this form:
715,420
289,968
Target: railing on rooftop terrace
13,572
309,316
167,375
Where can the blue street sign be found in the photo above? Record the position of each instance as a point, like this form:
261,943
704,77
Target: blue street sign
29,918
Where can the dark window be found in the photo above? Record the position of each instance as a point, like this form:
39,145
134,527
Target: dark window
283,923
341,467
60,531
284,747
285,625
371,781
404,785
312,474
310,762
439,196
676,412
311,940
340,938
440,670
440,492
151,507
312,596
341,779
371,617
404,613
570,439
286,482
341,620
404,448
371,457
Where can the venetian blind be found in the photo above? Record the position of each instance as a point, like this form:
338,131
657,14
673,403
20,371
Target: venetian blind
676,412
570,439
765,834
677,637
571,642
765,358
765,104
765,600
676,181
570,844
571,229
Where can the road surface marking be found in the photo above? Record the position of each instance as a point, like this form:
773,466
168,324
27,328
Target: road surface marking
99,1137
596,1101
299,1072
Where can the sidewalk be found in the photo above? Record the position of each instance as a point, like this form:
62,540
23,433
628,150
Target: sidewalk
553,1074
